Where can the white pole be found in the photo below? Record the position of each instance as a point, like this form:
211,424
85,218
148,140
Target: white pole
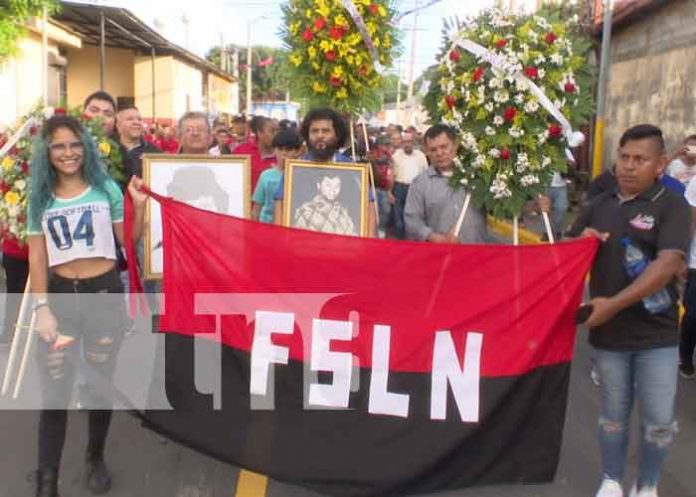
16,339
462,215
25,356
547,223
352,141
516,230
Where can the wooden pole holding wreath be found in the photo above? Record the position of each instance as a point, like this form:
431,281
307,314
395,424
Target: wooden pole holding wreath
371,172
16,339
462,215
547,225
25,356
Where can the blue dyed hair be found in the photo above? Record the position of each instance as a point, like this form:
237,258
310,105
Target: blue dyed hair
43,174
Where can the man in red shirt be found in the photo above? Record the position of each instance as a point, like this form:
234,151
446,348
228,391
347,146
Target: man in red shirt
261,151
239,131
167,141
15,262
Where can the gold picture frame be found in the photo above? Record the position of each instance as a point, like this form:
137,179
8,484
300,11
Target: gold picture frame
219,184
304,199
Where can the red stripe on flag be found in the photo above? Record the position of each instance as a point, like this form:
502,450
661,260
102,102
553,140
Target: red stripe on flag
522,299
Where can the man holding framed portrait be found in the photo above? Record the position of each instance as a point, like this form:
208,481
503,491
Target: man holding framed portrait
194,176
325,191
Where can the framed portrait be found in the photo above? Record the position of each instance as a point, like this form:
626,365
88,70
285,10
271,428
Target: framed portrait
218,184
326,197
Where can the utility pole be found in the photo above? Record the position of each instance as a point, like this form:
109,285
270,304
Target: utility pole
186,20
414,43
44,55
102,50
248,83
223,53
398,93
604,68
249,64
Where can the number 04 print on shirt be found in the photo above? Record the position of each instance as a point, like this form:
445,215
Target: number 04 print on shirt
81,227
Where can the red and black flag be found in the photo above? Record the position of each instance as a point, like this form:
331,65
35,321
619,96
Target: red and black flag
362,367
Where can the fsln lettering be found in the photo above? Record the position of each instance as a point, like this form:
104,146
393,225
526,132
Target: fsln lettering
465,381
263,351
463,377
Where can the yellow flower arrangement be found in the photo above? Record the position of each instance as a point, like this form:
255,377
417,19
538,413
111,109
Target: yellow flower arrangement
338,49
105,147
12,198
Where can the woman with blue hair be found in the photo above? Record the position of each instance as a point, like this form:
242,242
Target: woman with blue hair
75,210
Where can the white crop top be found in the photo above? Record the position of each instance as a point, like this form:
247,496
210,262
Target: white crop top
80,227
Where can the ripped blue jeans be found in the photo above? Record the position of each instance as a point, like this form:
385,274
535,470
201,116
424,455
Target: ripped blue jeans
649,377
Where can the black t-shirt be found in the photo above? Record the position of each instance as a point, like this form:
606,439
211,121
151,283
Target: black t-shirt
134,158
656,220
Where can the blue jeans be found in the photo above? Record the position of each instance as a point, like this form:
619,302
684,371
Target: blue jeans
400,192
651,377
384,209
559,207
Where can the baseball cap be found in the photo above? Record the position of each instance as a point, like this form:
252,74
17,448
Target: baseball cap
287,138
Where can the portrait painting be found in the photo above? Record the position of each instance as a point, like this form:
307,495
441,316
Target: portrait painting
330,198
216,184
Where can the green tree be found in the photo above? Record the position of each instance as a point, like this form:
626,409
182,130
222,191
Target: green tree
391,83
269,81
13,16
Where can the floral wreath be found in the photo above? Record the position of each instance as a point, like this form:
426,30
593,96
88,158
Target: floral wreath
337,48
511,144
14,165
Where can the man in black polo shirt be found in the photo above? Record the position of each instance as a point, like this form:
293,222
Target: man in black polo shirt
644,228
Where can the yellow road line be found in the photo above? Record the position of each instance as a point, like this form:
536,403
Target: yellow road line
251,484
503,228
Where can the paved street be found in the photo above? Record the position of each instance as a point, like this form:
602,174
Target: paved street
146,465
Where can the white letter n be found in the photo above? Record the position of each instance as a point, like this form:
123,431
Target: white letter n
464,381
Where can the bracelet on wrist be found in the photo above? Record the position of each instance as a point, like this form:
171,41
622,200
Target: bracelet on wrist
39,305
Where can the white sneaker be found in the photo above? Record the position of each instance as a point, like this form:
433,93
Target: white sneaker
643,492
610,488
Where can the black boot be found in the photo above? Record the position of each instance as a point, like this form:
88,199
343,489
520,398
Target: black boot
97,476
47,483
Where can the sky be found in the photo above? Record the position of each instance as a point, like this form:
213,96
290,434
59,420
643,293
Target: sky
211,21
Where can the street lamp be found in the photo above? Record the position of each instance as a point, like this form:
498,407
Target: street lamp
248,88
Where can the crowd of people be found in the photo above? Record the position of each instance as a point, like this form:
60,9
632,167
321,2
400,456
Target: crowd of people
642,219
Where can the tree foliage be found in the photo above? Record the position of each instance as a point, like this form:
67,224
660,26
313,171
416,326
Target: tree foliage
391,84
268,82
13,16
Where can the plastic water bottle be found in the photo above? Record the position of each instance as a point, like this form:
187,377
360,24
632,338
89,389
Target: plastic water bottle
635,263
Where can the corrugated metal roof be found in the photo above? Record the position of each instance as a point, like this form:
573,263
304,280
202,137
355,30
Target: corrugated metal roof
627,12
124,30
